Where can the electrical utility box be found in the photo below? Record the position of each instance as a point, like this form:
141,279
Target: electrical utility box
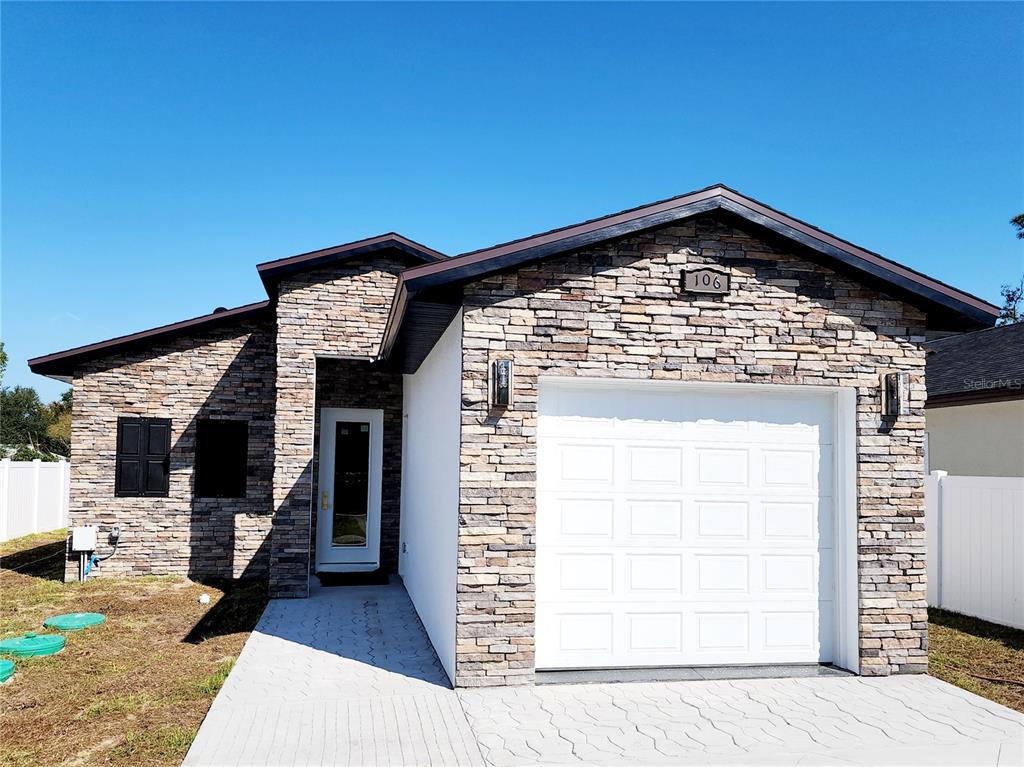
83,538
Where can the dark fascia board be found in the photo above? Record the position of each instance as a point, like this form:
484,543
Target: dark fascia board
273,271
479,264
975,397
61,365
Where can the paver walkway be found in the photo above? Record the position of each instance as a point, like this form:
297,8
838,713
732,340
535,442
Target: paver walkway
349,677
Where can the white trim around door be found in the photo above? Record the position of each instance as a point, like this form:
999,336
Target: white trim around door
349,498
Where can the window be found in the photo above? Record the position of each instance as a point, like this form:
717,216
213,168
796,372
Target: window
143,457
222,451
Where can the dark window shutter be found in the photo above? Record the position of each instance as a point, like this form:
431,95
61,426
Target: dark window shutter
143,457
128,472
158,456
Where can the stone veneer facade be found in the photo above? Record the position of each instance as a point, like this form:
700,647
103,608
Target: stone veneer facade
219,373
336,312
613,310
616,310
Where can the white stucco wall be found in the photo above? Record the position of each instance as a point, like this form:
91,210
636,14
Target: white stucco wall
430,490
984,440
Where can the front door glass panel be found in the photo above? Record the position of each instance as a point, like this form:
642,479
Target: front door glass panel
351,482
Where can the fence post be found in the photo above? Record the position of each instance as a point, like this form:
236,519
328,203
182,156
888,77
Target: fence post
939,522
65,492
36,464
5,489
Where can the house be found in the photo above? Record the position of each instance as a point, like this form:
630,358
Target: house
689,433
975,409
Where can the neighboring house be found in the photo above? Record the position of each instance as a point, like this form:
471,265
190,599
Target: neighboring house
693,466
975,407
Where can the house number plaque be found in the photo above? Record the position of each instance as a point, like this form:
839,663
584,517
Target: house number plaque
706,279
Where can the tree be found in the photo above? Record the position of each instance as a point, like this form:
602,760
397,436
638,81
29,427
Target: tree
23,418
1013,295
1011,311
58,433
32,429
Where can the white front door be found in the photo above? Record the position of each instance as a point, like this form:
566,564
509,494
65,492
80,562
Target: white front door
684,526
351,463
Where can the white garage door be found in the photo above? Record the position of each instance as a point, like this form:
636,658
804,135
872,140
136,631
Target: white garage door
683,526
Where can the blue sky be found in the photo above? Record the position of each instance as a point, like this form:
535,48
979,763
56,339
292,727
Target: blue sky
154,153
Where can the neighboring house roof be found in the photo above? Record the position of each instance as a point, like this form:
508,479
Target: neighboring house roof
947,307
61,365
429,294
983,366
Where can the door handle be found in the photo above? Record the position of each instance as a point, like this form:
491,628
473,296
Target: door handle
325,501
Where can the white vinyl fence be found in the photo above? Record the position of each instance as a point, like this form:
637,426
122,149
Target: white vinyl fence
975,535
33,497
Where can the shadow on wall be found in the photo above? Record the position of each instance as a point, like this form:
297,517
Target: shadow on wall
229,538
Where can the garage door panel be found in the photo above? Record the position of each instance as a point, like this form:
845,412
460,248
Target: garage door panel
647,574
791,574
706,540
585,574
718,573
718,632
586,463
785,631
654,632
718,520
585,632
795,468
790,520
653,520
717,467
653,465
583,520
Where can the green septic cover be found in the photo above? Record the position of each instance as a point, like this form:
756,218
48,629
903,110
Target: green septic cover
32,644
73,621
6,670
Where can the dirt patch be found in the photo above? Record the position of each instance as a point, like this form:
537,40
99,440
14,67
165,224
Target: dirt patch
982,657
132,691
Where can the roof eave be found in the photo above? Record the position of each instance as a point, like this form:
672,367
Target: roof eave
271,272
479,264
61,365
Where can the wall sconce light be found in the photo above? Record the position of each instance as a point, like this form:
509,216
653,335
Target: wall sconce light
895,394
501,383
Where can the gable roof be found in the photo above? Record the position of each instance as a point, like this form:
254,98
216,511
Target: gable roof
61,365
271,272
947,306
428,295
984,365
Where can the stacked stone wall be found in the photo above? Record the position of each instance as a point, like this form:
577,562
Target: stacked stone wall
617,310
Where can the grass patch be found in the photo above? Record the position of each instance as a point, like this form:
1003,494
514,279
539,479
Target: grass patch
165,744
978,656
132,691
211,685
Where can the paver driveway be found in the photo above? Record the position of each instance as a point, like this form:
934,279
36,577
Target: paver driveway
348,677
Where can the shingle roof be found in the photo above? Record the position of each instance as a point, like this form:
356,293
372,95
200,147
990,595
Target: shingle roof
983,364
